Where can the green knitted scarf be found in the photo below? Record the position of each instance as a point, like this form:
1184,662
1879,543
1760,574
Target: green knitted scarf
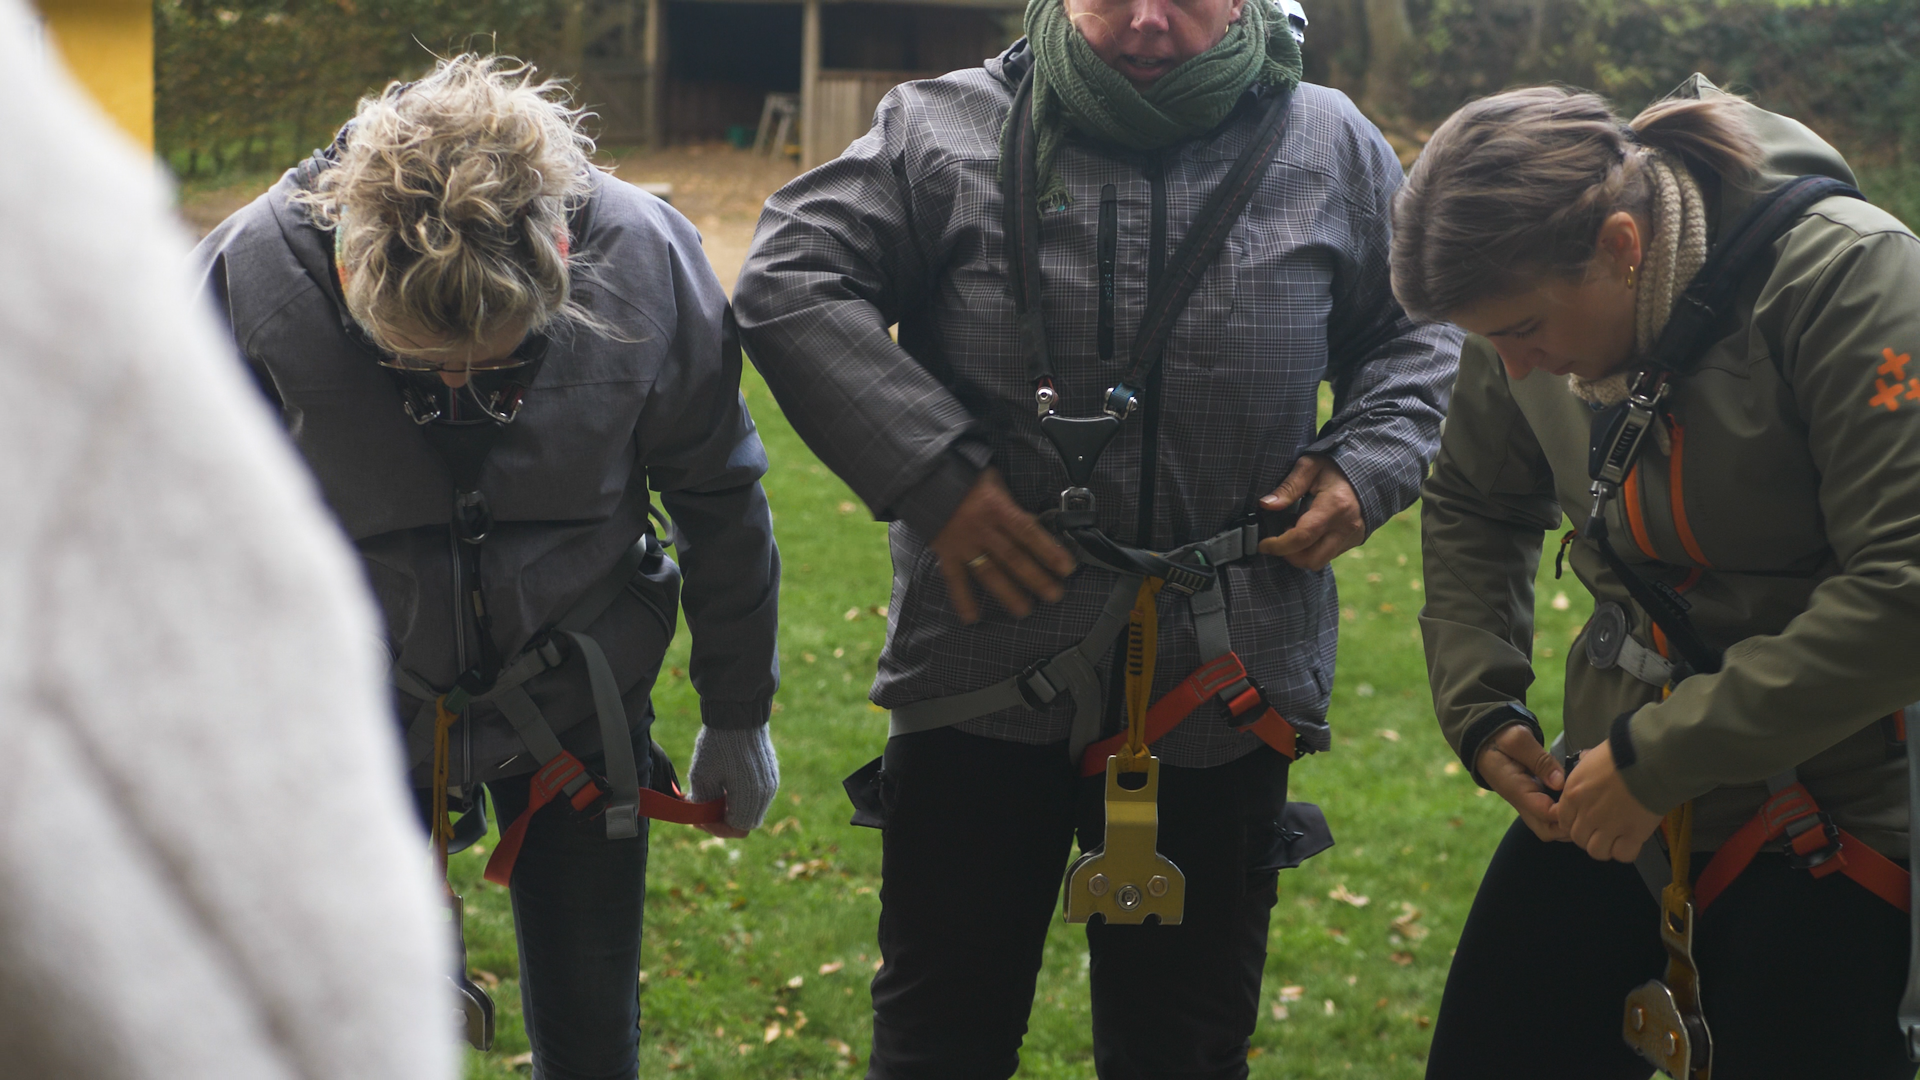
1073,87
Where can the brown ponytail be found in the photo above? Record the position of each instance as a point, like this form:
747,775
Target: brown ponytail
1518,184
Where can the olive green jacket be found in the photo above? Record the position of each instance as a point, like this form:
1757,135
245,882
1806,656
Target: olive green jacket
1788,513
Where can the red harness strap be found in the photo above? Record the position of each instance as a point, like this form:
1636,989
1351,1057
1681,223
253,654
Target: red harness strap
552,780
1792,813
1208,681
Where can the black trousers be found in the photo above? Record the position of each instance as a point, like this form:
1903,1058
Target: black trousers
976,845
1799,977
578,900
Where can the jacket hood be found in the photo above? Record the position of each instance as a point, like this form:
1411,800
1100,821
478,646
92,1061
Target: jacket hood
1789,148
1012,64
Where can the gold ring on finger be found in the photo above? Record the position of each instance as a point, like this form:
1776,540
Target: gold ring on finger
979,561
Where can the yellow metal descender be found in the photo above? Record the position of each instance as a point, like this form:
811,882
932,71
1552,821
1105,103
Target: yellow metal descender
1126,879
1663,1020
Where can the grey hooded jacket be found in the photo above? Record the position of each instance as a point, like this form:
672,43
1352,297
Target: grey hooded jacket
567,481
906,227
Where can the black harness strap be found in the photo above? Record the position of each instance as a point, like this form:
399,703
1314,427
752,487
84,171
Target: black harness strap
1620,433
1019,185
1199,248
1019,177
1698,310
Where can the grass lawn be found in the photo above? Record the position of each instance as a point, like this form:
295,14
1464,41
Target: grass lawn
758,951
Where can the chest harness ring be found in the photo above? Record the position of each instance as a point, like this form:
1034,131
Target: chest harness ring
1663,1019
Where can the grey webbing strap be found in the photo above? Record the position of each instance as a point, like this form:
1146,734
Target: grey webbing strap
1644,664
529,724
616,741
535,733
1909,1013
1209,608
420,732
1229,546
1070,671
1210,628
601,596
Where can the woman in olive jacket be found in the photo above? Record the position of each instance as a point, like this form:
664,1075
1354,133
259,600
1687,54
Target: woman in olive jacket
1778,500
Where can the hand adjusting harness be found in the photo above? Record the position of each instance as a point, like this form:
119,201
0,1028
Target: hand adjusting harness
463,441
1125,880
1663,1018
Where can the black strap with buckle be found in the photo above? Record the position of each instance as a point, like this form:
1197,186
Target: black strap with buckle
1621,433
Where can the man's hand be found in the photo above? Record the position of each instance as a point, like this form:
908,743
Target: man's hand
1521,771
991,538
1601,815
1330,526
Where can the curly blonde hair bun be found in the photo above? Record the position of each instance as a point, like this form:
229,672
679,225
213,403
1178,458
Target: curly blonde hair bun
450,200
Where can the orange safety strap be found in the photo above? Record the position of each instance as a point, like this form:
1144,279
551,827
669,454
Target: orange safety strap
552,780
1680,523
1875,872
1208,681
1636,515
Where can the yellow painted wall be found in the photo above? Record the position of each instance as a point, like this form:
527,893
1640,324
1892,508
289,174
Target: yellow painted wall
108,45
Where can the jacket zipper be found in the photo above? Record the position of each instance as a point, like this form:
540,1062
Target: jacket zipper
1108,250
460,644
1156,170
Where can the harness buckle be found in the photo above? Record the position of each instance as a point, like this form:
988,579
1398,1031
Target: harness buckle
1076,511
1036,688
419,409
1251,700
1186,580
473,516
1812,855
1122,400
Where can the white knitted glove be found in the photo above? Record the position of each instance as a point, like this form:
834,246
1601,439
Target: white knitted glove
738,764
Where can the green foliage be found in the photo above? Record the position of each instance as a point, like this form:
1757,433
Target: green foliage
758,951
256,84
1847,61
1846,68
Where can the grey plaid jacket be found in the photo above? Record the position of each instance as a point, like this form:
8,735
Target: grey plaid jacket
905,227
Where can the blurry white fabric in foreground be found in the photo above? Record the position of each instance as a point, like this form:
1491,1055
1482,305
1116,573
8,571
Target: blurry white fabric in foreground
208,866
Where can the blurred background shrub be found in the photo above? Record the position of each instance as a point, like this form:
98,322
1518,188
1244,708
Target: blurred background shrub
246,86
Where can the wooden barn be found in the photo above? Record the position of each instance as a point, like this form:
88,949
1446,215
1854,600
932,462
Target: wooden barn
676,71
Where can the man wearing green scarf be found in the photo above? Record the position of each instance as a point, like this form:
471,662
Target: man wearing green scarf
1140,110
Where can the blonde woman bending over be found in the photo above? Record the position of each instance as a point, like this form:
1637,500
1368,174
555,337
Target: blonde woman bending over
488,351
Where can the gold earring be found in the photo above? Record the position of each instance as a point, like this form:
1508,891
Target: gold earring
1631,279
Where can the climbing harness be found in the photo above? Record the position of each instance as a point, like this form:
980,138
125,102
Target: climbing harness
1125,880
1663,1019
463,425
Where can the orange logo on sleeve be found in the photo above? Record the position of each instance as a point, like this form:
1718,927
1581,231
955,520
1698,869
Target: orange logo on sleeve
1901,388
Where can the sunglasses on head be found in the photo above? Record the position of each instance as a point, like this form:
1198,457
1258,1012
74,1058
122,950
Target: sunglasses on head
530,348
